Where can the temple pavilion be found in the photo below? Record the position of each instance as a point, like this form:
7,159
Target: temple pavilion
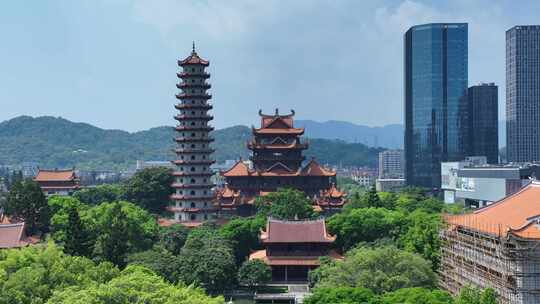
292,248
57,182
276,154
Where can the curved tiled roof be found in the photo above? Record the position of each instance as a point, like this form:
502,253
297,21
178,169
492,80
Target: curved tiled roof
314,169
55,175
193,58
518,214
238,169
278,231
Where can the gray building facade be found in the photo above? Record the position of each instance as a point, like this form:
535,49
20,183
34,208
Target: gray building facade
436,80
523,93
483,121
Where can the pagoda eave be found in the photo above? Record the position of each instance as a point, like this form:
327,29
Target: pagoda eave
186,117
253,146
184,75
179,173
191,186
205,151
193,162
185,85
177,197
188,139
183,106
192,128
196,96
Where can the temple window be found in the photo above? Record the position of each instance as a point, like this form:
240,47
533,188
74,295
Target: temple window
192,193
192,169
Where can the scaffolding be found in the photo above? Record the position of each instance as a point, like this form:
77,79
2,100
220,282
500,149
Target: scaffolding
507,263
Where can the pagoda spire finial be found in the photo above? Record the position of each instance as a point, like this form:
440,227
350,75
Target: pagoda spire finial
277,112
193,48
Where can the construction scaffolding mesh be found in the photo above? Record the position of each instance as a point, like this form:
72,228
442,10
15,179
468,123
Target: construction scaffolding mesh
502,261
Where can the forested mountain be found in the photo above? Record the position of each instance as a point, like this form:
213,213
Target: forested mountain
57,142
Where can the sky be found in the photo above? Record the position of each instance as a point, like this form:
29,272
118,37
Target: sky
112,63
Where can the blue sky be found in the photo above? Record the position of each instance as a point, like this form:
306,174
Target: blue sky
112,63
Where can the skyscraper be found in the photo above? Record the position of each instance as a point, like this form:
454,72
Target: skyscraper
523,93
435,99
483,122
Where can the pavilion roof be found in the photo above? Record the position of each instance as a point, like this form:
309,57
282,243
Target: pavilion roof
309,231
291,260
314,169
193,58
12,236
517,214
56,175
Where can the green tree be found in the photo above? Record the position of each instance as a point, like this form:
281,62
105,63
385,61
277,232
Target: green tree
244,235
207,259
77,238
120,228
422,236
150,189
135,284
286,204
173,237
99,194
27,202
373,199
381,269
31,275
342,295
364,225
472,295
417,295
158,260
254,273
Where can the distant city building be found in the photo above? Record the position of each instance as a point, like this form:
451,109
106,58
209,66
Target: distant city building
57,182
495,247
477,184
389,184
364,179
143,164
391,164
293,248
277,162
193,195
523,93
435,100
483,115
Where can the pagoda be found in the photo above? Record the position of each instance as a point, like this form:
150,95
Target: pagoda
193,196
276,155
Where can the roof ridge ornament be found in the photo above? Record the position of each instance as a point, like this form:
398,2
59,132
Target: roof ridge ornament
193,52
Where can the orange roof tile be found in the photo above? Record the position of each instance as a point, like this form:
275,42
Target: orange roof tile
518,214
314,169
290,260
12,236
238,169
278,231
55,175
293,131
193,58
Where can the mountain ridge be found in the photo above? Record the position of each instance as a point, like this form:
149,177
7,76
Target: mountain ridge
57,142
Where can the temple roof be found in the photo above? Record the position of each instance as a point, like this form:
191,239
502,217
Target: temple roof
517,214
333,192
238,169
314,169
291,260
310,231
55,175
277,121
193,58
279,169
12,236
